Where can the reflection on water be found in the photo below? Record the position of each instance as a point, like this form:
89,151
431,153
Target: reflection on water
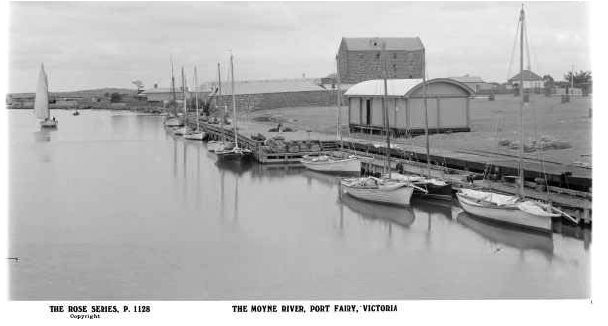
402,216
119,201
43,135
511,237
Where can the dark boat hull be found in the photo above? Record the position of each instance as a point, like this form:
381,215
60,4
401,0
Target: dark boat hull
441,192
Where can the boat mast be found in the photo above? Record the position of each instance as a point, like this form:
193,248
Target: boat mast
236,136
219,89
339,102
184,92
522,102
173,87
196,98
385,109
426,116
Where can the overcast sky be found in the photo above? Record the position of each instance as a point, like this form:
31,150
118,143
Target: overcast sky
92,45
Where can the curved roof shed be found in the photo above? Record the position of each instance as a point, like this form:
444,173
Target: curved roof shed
446,104
438,87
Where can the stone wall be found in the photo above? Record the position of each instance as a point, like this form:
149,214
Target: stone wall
358,66
251,102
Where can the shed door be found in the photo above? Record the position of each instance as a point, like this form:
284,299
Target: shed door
368,111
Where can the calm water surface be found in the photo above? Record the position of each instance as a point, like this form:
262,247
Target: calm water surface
110,206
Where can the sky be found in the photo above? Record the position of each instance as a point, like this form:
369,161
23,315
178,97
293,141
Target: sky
93,45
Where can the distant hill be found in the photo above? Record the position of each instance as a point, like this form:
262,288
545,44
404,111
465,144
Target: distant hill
100,92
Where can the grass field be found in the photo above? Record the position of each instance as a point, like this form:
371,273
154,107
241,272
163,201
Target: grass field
491,121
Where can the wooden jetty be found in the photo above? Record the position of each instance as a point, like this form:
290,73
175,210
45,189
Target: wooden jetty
461,168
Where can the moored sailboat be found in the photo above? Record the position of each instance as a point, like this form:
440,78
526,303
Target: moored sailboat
41,101
215,145
381,190
232,152
330,162
514,210
196,134
185,129
172,120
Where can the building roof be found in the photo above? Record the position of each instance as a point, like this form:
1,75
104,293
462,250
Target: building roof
528,76
269,86
468,79
392,43
166,90
375,87
397,87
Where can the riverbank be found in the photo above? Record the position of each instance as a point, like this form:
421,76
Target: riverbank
492,122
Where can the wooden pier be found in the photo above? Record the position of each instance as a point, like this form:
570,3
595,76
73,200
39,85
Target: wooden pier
462,169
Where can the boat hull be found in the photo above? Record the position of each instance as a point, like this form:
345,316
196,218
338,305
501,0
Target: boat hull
196,136
174,122
396,196
48,124
350,165
440,192
231,154
508,214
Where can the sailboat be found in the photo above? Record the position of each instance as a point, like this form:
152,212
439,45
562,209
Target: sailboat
215,145
196,134
172,120
513,210
428,187
233,152
384,190
183,130
334,163
41,102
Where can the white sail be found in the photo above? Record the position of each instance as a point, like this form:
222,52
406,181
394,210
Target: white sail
41,103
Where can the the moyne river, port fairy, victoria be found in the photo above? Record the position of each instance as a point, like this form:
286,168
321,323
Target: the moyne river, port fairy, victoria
111,206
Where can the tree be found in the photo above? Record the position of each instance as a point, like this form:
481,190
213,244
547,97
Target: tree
548,81
115,97
581,77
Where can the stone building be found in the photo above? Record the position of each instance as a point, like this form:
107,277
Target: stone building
359,59
447,106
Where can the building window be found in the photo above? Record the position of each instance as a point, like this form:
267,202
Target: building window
377,55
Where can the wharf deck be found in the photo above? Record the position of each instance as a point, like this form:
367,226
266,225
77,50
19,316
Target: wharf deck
572,190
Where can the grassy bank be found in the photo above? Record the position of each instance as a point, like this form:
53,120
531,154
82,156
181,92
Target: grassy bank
491,121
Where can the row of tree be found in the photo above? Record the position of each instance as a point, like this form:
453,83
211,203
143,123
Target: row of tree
578,79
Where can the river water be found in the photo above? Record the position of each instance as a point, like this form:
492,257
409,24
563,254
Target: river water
111,206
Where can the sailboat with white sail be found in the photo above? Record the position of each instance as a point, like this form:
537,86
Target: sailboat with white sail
233,152
513,210
41,102
332,162
196,134
385,190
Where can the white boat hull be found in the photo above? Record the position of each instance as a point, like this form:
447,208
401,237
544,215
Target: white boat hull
349,165
196,136
213,146
173,122
509,214
386,195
